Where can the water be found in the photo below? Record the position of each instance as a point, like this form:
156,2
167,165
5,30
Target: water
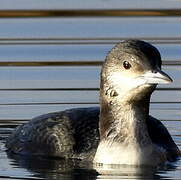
50,64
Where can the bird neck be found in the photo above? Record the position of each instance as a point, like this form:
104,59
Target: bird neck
124,122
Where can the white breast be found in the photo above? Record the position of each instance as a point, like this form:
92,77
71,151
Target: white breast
130,155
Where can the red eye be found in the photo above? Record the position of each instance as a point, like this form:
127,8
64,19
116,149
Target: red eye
126,65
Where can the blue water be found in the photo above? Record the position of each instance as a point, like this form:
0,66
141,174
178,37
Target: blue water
94,4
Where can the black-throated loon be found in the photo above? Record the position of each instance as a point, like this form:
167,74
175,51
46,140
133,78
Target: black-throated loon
121,130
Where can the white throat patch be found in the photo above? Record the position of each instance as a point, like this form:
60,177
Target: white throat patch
125,83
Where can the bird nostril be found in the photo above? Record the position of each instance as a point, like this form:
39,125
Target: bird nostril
154,71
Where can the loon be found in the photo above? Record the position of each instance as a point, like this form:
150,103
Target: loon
121,131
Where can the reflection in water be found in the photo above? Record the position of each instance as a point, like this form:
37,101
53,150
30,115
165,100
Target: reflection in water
89,13
50,168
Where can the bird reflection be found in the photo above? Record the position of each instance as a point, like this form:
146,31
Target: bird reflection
52,168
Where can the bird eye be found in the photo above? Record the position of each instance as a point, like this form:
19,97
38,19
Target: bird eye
126,65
